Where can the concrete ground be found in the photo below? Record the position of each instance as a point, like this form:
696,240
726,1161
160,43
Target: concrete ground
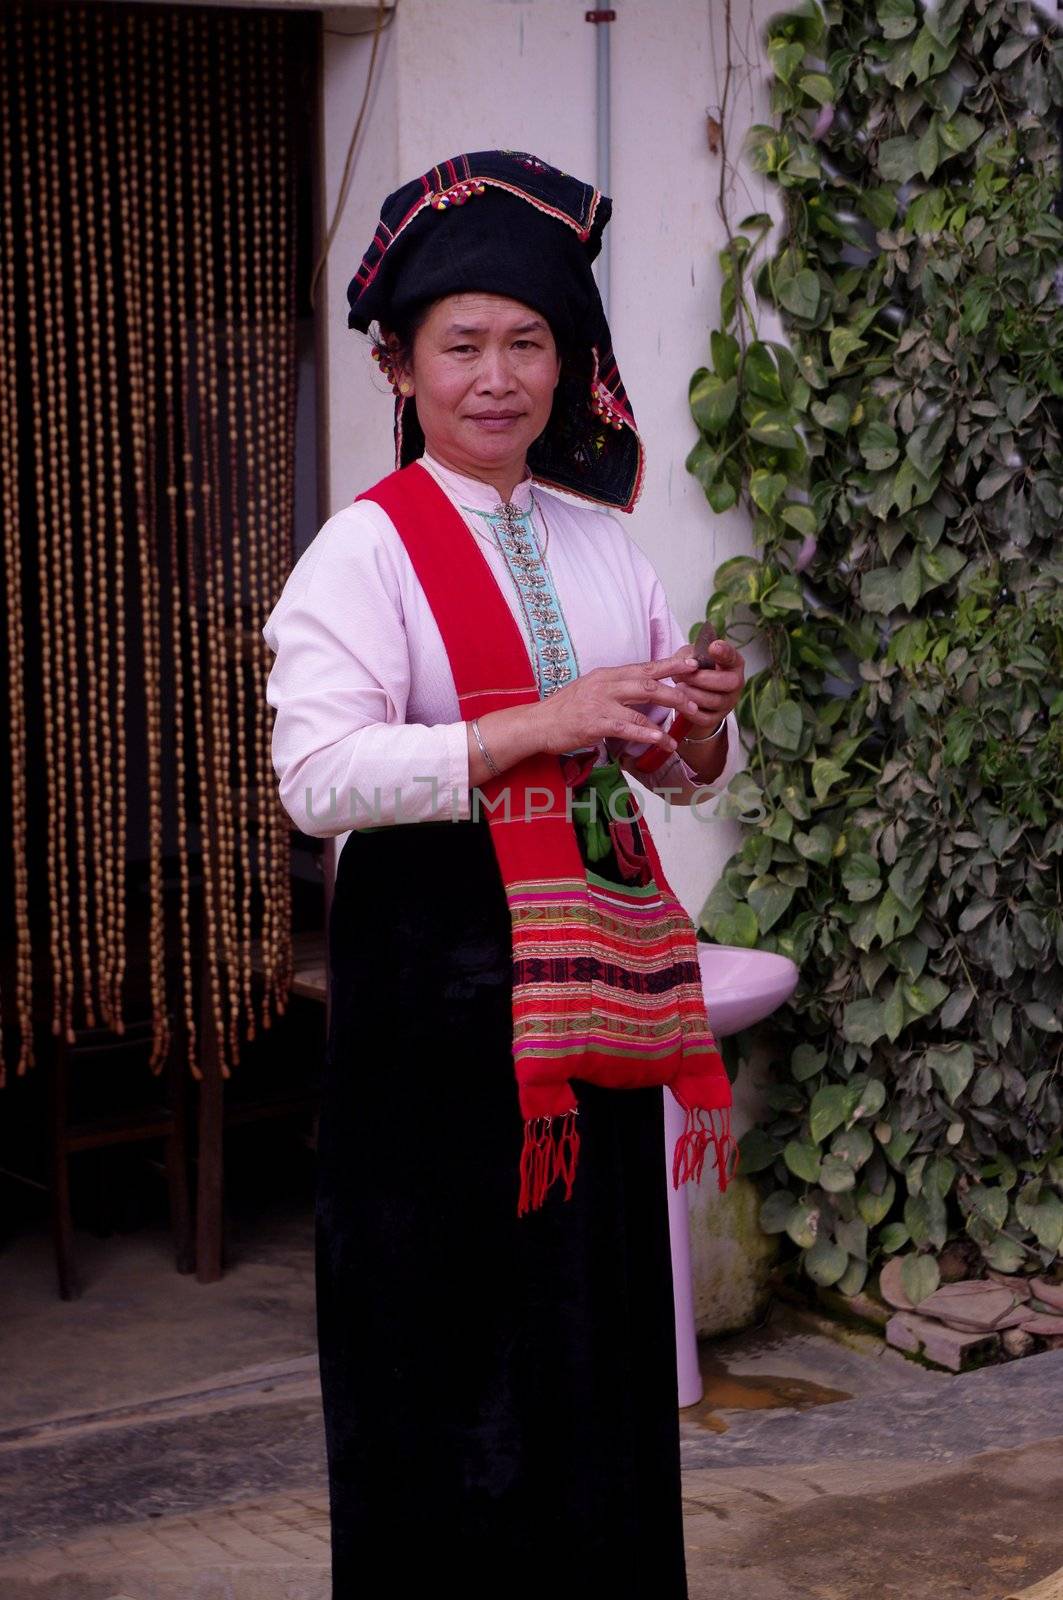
161,1440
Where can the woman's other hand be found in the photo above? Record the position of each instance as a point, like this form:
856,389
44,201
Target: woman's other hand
716,689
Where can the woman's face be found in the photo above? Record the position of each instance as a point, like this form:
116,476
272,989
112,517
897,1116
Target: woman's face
484,369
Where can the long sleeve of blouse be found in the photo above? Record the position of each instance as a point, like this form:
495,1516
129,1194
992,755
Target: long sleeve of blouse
367,728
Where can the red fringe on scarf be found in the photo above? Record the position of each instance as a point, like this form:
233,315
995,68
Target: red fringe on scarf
551,1150
688,1162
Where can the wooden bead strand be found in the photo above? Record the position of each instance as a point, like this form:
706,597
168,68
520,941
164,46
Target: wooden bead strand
245,681
88,831
196,514
69,653
96,605
286,206
9,502
251,531
113,651
171,257
214,564
37,379
138,207
278,960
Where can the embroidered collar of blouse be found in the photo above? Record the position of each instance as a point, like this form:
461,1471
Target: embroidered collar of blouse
476,494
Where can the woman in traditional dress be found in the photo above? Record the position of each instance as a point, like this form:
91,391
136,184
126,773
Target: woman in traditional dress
467,650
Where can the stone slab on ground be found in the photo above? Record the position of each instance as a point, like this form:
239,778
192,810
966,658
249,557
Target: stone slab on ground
952,1348
947,1419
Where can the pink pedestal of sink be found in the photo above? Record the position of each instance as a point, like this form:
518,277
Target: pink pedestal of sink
741,987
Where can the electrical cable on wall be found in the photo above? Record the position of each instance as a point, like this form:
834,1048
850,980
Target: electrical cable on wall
380,28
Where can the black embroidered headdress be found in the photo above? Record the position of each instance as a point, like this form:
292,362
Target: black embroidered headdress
501,222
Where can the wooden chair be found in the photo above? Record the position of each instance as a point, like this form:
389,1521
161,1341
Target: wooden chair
163,1117
217,1112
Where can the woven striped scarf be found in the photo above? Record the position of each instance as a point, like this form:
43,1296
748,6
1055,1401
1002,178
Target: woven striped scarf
606,982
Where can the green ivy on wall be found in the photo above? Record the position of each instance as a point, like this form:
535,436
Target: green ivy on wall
900,457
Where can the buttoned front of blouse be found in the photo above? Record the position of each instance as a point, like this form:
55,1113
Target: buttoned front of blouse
368,729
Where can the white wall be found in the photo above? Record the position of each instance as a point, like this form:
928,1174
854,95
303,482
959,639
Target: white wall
479,74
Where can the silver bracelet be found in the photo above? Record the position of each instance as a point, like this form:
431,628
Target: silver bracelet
715,734
483,748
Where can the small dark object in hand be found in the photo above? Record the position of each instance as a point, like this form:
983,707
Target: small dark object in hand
705,636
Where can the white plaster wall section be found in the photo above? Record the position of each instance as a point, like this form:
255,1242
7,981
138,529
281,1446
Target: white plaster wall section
358,416
496,74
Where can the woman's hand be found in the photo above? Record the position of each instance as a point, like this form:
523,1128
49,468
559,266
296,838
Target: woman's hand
602,704
716,689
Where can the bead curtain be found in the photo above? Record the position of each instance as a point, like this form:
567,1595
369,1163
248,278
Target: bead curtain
148,214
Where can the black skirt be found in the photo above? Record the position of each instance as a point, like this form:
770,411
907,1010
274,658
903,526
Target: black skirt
500,1397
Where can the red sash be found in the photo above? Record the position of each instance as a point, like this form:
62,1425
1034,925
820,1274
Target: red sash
606,982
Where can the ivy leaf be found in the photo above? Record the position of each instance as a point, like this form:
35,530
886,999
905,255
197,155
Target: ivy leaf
988,1203
803,1224
804,1160
776,1211
756,1151
834,413
920,1276
817,86
712,400
893,1237
825,774
1042,1016
800,517
722,495
924,996
826,1262
896,17
725,352
992,482
953,1066
836,1176
1046,1222
880,590
831,1106
942,564
860,875
785,58
878,446
853,1278
872,1098
800,294
769,900
760,375
898,159
864,1021
766,488
783,725
772,428
736,927
817,845
842,343
853,1145
960,132
928,150
929,55
1010,51
873,1208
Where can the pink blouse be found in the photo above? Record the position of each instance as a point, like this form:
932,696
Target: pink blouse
368,729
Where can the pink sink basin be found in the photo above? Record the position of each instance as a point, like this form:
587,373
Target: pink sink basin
743,986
